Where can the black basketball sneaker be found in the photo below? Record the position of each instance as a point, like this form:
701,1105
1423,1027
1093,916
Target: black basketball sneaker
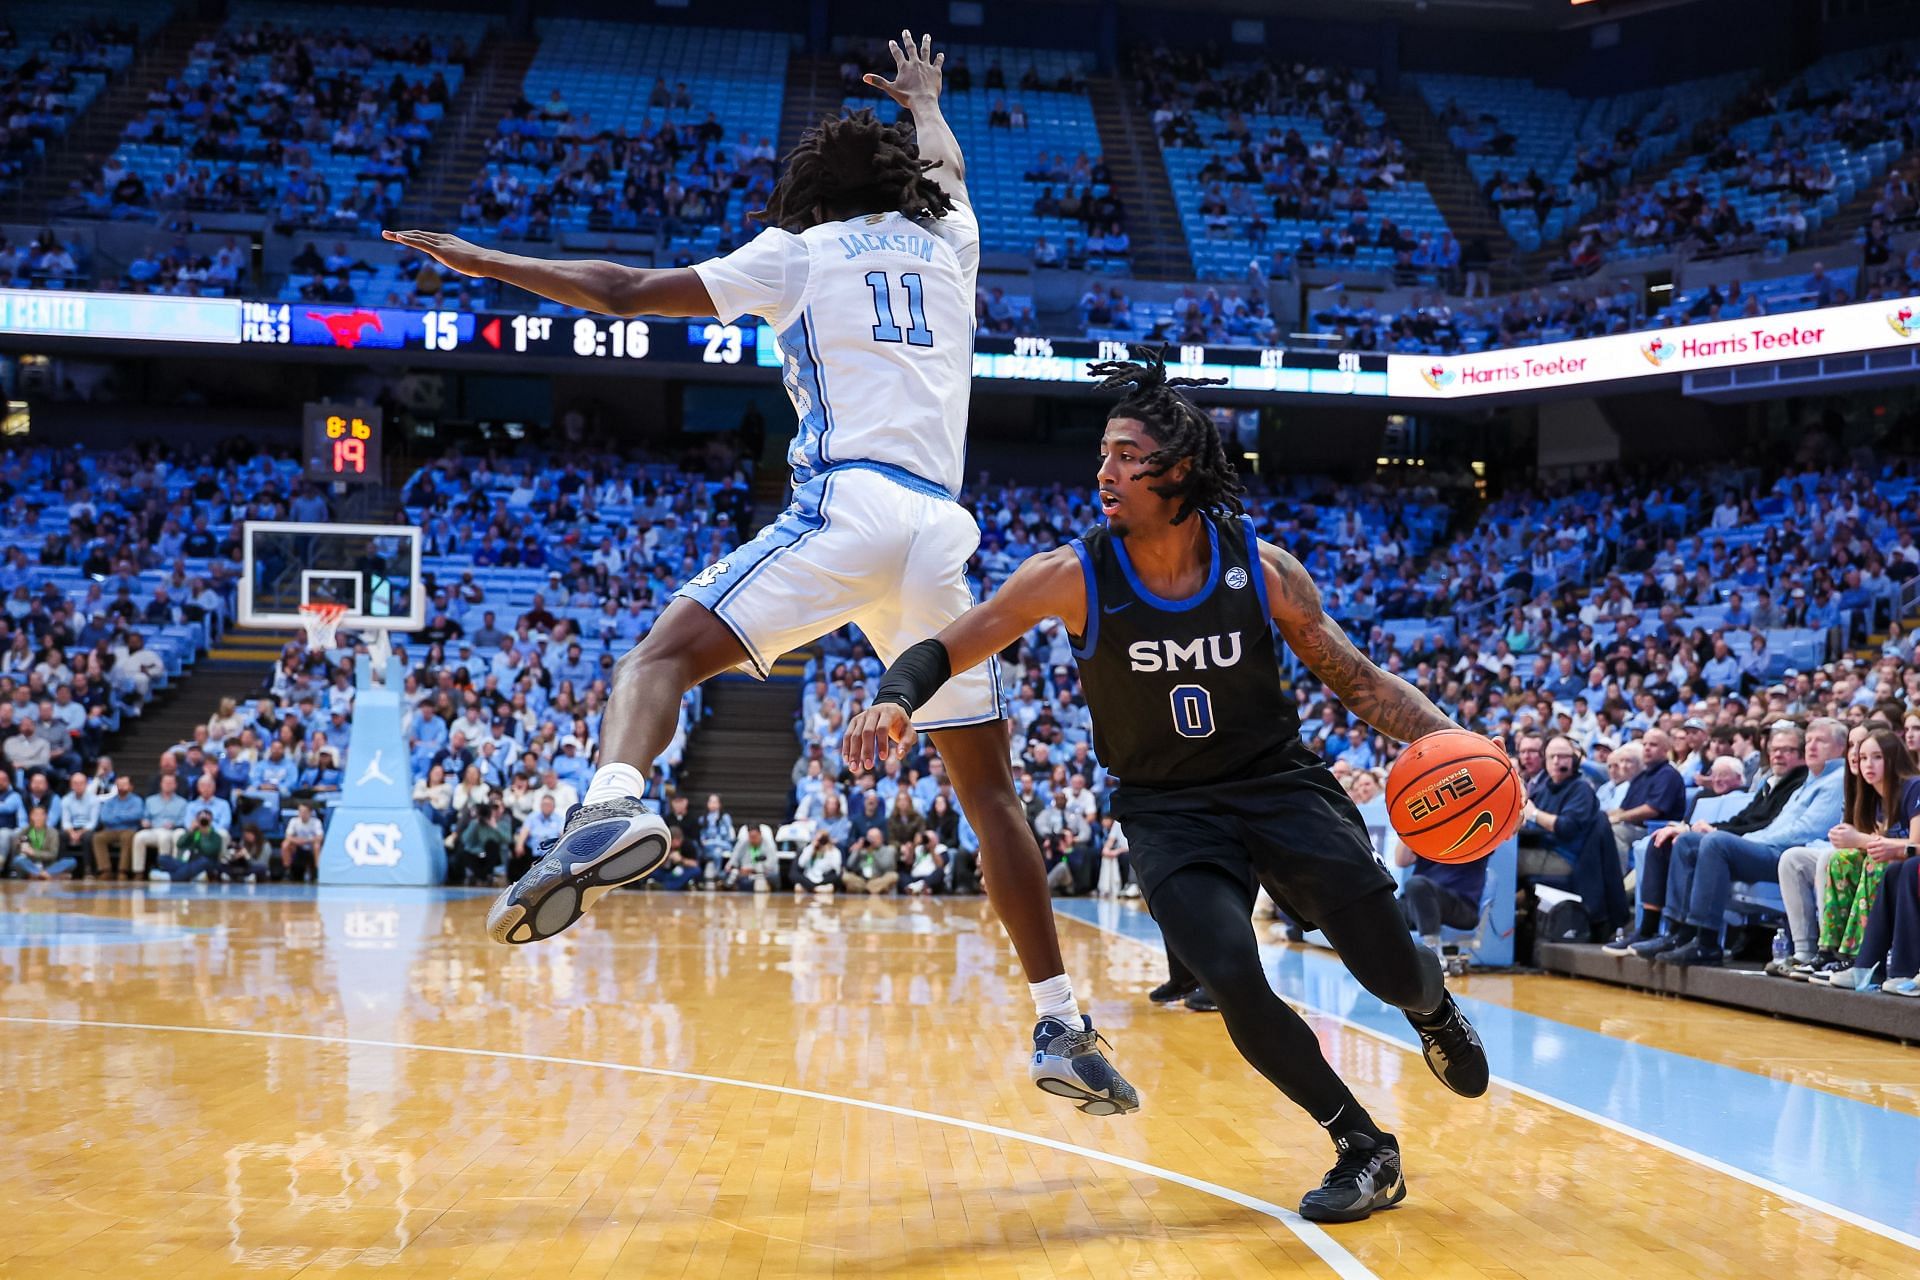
1365,1177
1452,1049
602,847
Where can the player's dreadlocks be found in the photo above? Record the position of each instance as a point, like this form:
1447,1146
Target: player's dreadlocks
854,164
1183,430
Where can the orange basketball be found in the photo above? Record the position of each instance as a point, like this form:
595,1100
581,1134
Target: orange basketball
1453,796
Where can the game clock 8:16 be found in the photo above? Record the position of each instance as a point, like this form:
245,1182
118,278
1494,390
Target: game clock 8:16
620,338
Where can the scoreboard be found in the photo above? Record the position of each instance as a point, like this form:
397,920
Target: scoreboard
342,442
602,339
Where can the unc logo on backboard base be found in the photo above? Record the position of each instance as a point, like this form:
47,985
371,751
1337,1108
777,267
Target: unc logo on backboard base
375,844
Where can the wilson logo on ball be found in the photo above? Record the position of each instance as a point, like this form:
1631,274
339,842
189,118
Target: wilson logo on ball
1455,787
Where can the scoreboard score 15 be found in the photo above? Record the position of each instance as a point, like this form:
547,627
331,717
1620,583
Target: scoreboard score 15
342,443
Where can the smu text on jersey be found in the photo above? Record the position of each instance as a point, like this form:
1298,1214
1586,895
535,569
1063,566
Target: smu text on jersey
1204,653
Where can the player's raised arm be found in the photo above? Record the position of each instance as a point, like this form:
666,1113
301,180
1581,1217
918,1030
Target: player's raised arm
590,284
916,86
1381,698
1047,586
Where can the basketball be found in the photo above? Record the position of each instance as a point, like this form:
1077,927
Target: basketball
1453,796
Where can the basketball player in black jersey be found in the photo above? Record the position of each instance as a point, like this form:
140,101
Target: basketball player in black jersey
1175,607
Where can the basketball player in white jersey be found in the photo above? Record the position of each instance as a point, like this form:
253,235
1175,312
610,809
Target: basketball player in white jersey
866,272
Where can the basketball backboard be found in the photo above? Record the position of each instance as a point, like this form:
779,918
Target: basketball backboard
372,569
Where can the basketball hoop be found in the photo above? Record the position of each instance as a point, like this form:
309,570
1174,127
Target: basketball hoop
322,621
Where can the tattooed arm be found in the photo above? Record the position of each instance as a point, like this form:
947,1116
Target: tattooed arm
1378,697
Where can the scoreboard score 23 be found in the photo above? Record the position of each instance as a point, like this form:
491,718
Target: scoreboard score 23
342,442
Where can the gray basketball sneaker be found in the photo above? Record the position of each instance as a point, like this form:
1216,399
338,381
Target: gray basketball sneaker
1067,1063
602,847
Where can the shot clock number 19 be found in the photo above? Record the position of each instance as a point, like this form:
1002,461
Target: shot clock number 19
343,442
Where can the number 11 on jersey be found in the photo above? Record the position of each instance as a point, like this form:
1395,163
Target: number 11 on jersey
885,327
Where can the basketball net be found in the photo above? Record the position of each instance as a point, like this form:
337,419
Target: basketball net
322,622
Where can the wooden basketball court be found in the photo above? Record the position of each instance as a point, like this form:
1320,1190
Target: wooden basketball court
269,1081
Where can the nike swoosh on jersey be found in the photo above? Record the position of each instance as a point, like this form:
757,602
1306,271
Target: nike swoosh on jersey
1115,608
1481,824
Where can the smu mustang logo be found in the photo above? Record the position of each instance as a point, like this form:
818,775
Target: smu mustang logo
347,329
1203,654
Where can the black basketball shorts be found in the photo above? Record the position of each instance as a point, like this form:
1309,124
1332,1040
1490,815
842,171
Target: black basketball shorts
1296,833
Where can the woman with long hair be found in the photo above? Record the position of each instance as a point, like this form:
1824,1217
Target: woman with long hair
1881,801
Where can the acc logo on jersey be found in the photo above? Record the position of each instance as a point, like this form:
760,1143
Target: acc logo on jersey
375,844
1236,577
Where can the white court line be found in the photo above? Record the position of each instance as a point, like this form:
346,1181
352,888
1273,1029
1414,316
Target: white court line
1324,1246
1700,1158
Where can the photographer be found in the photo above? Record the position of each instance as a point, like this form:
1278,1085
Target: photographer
481,849
203,851
818,870
872,865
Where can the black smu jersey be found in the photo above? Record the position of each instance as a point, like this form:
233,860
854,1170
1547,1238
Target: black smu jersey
1183,692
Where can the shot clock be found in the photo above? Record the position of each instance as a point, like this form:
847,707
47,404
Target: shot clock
342,442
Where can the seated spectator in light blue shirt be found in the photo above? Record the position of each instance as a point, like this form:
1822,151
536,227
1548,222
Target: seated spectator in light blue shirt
166,808
571,764
277,773
541,829
236,773
1358,751
1722,670
323,775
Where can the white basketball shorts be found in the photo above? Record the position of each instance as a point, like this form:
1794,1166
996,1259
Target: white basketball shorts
865,543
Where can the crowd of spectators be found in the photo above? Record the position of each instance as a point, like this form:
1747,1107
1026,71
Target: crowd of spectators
551,165
1086,198
1756,180
315,129
1289,143
45,84
1430,324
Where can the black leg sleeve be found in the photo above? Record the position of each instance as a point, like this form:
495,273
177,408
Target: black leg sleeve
1207,920
1372,939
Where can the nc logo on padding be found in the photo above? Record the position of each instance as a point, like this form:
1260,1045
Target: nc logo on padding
374,844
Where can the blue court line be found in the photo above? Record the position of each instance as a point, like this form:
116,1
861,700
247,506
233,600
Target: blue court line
1851,1159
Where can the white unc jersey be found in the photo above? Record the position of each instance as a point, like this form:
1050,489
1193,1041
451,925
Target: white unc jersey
874,317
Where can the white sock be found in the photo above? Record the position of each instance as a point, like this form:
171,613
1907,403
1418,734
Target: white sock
1054,999
613,782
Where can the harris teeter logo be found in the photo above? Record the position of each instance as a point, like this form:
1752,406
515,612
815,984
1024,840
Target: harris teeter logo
1658,352
1438,377
1903,322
